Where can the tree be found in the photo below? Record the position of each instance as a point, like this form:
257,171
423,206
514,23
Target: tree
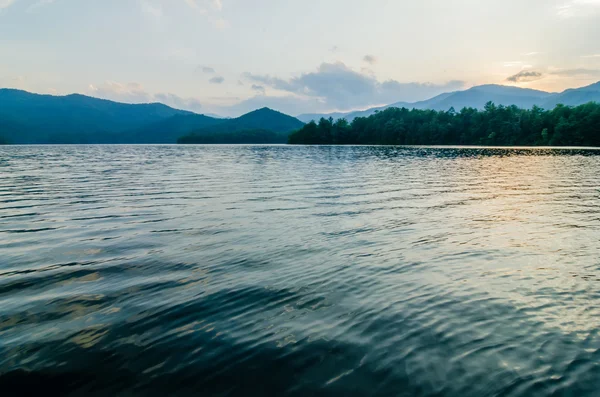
494,125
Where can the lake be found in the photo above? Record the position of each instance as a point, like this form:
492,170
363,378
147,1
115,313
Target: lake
280,270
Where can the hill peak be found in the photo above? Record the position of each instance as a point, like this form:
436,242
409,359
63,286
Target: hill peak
263,110
508,89
592,87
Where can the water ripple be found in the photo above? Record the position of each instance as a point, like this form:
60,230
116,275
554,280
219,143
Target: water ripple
275,270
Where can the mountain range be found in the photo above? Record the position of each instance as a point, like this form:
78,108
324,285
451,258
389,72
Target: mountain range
27,118
477,97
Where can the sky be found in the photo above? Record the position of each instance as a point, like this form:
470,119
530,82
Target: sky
228,57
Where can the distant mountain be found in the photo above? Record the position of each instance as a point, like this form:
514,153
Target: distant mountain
477,97
168,130
265,119
216,116
574,97
27,118
34,118
40,119
260,126
307,117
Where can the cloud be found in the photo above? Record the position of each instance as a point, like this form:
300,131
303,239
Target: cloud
591,56
203,6
339,87
217,80
370,59
126,92
178,102
578,8
206,69
525,76
193,4
334,49
157,8
575,72
509,64
258,88
153,10
18,82
135,93
221,23
530,54
39,4
6,3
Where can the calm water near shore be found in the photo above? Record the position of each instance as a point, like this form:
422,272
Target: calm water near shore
279,270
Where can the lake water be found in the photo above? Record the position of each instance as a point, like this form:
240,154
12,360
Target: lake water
272,270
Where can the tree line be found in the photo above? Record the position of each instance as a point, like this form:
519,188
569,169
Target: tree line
493,126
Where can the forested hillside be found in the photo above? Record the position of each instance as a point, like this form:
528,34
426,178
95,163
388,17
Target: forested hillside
494,125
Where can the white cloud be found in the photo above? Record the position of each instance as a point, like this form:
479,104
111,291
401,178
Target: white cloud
509,64
576,72
39,4
6,3
578,8
203,5
591,56
221,24
151,9
17,82
193,4
156,9
339,87
135,93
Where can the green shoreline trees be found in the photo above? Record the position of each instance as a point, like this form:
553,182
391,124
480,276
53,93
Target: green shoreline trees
493,126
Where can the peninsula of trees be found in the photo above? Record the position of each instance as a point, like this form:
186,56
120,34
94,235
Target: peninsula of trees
494,125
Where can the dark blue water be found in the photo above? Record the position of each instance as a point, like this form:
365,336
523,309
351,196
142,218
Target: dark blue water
251,270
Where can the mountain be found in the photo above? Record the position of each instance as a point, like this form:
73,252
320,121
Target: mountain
34,118
261,119
307,117
574,97
168,130
27,118
477,97
260,126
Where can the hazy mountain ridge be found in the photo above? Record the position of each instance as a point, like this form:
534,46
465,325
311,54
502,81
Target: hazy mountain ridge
27,118
168,130
476,97
264,118
260,126
33,118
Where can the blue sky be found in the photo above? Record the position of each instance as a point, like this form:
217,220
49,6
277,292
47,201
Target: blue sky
297,56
